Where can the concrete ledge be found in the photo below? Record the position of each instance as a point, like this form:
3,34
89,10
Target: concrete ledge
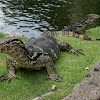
89,88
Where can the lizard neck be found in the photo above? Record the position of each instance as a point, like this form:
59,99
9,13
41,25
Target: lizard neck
85,22
20,55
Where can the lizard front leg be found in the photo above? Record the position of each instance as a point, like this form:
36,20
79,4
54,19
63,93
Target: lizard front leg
52,72
46,61
64,46
11,69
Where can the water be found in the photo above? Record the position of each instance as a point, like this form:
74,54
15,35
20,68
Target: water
32,17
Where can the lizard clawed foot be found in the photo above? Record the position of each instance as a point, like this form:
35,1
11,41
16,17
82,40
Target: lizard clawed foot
76,51
56,78
8,77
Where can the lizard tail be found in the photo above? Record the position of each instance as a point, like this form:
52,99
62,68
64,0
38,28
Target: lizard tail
98,39
84,37
68,33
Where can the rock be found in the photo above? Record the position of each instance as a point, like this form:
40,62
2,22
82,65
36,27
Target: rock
14,34
89,88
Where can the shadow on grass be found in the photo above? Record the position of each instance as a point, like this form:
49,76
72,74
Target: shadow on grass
32,76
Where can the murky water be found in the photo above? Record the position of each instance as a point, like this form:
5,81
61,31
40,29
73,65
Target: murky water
32,17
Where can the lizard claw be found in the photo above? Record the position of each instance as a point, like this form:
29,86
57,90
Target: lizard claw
56,78
8,77
76,51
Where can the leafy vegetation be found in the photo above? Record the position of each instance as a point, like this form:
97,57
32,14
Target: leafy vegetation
70,66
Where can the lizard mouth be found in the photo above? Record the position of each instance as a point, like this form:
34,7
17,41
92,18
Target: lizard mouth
91,18
94,15
97,16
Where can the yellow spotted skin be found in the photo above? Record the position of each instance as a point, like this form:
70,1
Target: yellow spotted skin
45,45
33,54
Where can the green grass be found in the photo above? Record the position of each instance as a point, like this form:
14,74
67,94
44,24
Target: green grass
70,66
2,35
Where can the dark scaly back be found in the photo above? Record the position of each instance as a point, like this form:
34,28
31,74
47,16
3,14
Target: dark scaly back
46,45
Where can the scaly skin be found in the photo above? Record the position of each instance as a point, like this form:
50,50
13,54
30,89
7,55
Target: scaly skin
34,54
78,29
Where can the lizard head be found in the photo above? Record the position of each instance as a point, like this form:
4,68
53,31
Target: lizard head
9,44
91,18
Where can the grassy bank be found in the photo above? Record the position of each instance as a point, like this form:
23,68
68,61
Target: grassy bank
71,67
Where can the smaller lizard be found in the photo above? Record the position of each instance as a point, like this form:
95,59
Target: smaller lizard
78,29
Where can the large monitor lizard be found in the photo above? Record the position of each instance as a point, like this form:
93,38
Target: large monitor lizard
33,54
78,29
